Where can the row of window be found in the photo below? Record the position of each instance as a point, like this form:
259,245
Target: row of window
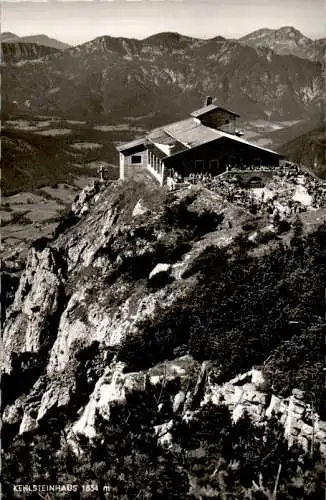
157,164
214,164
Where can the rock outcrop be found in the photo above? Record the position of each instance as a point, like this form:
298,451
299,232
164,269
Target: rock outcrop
140,209
244,393
32,318
84,297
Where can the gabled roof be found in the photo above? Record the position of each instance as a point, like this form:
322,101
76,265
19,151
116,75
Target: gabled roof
178,137
208,109
131,144
203,110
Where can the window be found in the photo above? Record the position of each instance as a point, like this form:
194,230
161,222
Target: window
135,159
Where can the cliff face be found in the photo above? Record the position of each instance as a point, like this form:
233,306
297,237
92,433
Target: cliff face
90,286
36,304
85,302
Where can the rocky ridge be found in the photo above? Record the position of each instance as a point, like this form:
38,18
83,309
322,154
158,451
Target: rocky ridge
84,296
20,52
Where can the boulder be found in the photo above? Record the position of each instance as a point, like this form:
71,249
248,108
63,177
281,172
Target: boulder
178,401
84,209
140,209
160,270
253,237
84,197
298,394
28,424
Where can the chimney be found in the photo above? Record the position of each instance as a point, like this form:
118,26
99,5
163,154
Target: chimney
209,100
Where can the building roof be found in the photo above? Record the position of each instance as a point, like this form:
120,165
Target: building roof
203,110
157,151
208,109
191,133
132,144
177,137
243,141
159,136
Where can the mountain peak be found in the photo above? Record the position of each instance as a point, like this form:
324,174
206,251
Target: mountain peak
166,34
7,35
168,37
286,40
219,39
35,39
288,29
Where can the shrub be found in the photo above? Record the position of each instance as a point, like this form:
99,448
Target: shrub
283,226
241,310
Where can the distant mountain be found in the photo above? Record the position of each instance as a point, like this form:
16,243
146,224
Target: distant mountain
164,76
286,41
34,39
308,149
8,36
20,52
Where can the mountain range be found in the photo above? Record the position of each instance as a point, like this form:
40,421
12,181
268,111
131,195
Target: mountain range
163,76
44,40
283,41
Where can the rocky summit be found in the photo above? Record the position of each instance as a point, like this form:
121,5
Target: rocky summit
286,40
153,350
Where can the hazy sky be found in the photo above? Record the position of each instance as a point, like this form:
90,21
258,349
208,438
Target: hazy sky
79,21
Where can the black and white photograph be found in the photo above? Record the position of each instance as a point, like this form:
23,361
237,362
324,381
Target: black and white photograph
163,243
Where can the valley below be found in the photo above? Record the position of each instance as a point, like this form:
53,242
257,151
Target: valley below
46,161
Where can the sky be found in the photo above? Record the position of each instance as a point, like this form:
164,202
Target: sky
76,22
